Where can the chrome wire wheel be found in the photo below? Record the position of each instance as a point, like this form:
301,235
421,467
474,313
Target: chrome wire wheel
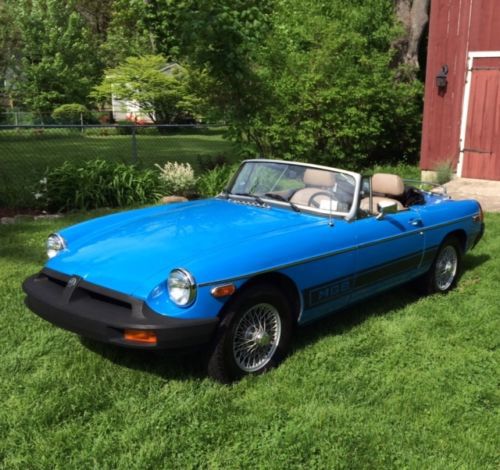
256,337
446,268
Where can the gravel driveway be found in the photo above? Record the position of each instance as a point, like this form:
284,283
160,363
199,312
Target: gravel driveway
485,191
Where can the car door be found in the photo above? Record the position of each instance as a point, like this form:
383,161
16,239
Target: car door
389,251
327,281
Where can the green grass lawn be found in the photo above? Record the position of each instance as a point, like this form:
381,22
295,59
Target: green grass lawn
400,381
24,157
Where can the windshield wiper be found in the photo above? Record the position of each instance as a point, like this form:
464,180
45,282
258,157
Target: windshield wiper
279,197
253,196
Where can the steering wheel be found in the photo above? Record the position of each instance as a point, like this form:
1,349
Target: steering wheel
312,200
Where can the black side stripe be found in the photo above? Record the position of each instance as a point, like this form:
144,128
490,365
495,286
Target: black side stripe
342,286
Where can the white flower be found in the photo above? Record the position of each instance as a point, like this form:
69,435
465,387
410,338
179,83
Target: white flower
38,195
43,181
178,177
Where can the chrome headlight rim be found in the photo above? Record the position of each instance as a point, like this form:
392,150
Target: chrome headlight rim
190,286
54,245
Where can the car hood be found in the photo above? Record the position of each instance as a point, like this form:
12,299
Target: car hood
133,251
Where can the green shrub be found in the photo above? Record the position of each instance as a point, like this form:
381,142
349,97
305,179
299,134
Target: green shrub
444,172
71,113
404,170
214,181
147,130
94,184
101,131
125,127
209,162
177,178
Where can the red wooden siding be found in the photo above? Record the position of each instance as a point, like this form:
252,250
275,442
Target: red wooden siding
447,45
485,25
482,141
456,28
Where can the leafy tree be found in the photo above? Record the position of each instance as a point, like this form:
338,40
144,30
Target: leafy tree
222,38
127,33
9,43
158,19
58,61
97,15
164,95
304,79
414,17
337,97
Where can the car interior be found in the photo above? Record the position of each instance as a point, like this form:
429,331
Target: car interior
318,186
387,189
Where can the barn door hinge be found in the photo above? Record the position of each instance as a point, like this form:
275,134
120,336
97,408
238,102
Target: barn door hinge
485,68
478,151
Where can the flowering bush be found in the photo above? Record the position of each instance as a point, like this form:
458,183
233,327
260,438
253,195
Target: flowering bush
178,178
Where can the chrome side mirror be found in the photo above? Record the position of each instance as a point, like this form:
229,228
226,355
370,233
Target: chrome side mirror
385,208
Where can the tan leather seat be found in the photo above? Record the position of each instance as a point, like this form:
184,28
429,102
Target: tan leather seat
385,187
315,181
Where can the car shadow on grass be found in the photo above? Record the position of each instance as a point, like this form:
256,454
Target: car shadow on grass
190,365
472,261
169,365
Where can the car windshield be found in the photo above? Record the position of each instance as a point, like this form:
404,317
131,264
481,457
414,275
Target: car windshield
300,186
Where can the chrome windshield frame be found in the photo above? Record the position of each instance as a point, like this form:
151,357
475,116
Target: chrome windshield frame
346,215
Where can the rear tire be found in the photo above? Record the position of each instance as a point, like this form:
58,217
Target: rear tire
446,268
254,335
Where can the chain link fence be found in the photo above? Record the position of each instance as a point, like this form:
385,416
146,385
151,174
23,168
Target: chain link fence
28,118
27,152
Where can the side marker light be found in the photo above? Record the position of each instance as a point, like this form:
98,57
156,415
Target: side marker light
223,291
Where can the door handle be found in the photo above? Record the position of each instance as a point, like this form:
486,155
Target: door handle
416,222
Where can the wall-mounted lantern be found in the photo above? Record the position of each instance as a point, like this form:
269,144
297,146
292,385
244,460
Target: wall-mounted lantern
442,78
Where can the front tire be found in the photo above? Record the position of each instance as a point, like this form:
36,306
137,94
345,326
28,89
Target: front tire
446,268
254,335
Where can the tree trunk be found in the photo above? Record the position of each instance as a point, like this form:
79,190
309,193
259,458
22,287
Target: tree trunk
414,15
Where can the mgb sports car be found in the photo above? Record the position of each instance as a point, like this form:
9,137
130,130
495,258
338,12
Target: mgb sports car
283,245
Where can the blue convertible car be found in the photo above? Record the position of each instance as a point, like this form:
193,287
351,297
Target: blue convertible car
285,244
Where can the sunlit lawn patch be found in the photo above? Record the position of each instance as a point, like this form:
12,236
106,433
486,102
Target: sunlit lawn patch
399,381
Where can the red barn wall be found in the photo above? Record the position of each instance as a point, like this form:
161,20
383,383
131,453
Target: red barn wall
456,28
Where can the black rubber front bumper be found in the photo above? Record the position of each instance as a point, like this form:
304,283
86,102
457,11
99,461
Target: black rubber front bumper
102,314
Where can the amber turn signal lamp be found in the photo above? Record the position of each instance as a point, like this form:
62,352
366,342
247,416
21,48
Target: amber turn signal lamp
479,217
140,336
223,291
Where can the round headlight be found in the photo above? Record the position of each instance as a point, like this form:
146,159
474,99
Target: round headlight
181,287
55,244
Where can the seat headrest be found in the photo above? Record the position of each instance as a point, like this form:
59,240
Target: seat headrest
322,178
390,185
